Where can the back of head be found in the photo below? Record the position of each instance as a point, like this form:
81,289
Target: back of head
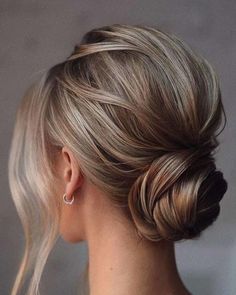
161,109
141,113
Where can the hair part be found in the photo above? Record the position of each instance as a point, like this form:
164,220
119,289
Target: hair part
140,111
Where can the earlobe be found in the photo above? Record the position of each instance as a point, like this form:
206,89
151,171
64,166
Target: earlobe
68,202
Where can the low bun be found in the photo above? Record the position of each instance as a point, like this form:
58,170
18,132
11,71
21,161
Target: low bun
177,197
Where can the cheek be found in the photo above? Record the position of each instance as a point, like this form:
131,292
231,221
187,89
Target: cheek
71,225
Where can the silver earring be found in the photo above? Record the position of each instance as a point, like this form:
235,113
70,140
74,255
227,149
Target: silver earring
67,201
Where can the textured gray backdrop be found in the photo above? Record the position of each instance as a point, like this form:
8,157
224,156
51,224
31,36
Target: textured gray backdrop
34,35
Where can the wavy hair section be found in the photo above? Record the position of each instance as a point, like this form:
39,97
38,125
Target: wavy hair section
30,181
141,112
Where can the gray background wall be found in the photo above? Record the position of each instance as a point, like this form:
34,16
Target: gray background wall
34,35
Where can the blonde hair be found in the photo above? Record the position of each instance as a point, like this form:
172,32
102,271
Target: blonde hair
140,112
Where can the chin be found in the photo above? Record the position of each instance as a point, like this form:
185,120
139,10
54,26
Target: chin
70,236
71,239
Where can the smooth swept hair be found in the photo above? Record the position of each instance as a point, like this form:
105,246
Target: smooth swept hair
141,112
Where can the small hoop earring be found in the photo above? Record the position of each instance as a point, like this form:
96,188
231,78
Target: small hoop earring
67,201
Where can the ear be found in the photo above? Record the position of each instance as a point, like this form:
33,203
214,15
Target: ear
72,174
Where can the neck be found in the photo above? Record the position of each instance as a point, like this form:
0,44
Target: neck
122,264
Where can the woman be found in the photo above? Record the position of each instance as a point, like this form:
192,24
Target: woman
115,146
